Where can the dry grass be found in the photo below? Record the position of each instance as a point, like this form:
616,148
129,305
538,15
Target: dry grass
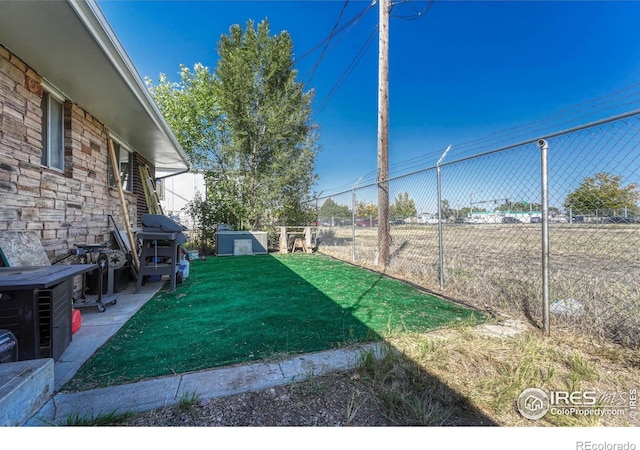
459,376
499,267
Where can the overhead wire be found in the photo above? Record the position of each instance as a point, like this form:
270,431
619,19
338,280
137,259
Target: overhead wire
626,96
350,24
352,65
338,32
371,176
417,15
571,115
549,123
351,21
324,49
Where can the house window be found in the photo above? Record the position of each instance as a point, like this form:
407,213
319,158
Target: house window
125,163
52,132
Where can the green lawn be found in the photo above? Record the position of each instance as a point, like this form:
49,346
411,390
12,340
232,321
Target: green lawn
236,309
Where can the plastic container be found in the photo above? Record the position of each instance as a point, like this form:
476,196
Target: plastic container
76,320
184,267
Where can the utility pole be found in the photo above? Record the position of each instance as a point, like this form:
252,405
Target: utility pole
383,134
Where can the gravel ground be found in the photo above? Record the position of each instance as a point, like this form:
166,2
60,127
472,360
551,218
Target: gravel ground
333,400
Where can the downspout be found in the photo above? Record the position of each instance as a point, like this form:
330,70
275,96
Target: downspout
172,175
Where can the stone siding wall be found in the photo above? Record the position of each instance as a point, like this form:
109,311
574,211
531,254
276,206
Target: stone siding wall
64,207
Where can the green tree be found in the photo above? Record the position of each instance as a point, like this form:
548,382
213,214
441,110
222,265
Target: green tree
402,207
603,194
190,108
366,209
331,211
447,211
268,118
248,125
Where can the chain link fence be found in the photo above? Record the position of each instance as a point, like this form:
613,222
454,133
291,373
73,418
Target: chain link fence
481,242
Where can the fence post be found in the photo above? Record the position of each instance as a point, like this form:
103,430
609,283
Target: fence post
544,191
440,244
353,220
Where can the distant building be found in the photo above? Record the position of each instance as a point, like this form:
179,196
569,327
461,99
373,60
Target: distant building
427,218
176,191
499,216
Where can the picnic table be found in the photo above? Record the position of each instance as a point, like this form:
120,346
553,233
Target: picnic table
294,238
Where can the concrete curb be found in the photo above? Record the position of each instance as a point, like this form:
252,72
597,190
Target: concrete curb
221,382
25,387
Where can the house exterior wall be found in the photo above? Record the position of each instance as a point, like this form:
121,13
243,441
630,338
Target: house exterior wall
178,191
64,208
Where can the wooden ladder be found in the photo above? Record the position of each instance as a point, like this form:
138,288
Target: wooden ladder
150,194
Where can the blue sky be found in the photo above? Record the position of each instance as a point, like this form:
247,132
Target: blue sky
460,72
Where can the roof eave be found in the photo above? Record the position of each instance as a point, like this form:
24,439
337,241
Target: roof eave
71,45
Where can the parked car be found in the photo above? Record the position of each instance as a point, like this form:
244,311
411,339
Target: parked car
367,223
510,220
536,220
397,222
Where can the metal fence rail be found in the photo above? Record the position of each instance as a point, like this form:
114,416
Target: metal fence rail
487,246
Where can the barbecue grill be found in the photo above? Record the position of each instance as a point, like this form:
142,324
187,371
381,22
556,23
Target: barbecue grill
161,238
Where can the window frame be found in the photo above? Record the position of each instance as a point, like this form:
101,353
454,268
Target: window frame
50,153
127,181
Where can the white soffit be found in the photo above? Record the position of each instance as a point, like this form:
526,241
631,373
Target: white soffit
71,45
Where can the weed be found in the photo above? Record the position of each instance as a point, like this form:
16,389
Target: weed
100,420
308,384
353,406
188,401
460,377
367,362
582,368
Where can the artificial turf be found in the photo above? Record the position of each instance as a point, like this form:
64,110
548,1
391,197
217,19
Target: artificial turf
236,309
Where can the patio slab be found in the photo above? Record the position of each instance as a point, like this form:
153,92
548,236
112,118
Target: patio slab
97,327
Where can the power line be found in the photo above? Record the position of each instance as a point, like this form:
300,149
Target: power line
333,30
351,21
627,96
352,65
336,31
418,13
564,117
